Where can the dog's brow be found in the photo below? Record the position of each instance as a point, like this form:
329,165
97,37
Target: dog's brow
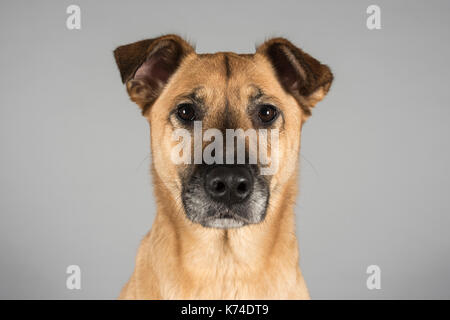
194,95
258,95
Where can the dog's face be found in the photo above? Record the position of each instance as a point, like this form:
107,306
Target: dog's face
177,89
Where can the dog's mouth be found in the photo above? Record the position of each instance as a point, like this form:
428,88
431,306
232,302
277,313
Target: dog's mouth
225,197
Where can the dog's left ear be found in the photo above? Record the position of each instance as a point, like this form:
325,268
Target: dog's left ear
305,78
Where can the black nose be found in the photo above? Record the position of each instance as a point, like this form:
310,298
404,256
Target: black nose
229,184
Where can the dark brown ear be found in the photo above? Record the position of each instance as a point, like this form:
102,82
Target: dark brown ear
305,78
146,66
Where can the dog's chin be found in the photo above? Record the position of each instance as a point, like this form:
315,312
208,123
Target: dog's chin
226,218
223,223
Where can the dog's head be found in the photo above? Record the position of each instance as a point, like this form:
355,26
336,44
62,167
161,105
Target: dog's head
196,102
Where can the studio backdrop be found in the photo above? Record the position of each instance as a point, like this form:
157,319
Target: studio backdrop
372,216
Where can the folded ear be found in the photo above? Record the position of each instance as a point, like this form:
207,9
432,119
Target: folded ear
305,78
146,66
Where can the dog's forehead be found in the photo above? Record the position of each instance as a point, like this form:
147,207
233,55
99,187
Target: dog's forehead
225,75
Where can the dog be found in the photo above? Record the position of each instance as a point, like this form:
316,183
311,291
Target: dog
221,231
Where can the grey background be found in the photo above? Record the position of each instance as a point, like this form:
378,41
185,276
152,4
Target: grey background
75,185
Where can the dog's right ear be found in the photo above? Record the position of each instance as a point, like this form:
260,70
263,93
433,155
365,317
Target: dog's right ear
146,66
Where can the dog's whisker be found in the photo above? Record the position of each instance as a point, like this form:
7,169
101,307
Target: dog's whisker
147,157
310,164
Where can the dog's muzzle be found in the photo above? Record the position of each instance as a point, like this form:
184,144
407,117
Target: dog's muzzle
225,196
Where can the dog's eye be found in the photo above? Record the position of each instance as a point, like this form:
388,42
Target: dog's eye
186,112
267,113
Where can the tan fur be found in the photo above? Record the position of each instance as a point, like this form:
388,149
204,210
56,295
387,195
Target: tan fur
178,259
